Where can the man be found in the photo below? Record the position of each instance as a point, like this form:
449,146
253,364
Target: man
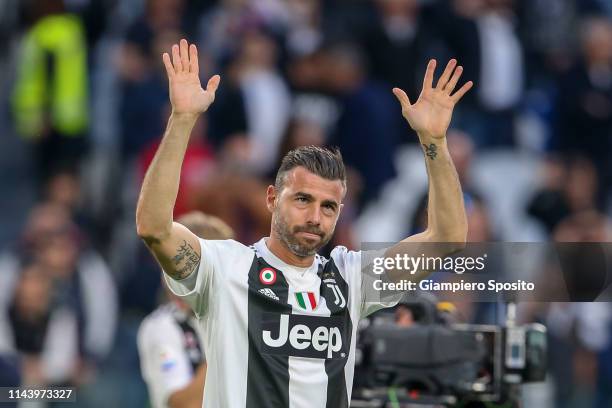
169,342
279,320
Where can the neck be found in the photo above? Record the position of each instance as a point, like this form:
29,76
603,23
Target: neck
280,250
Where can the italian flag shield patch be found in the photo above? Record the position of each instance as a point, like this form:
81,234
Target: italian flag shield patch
306,300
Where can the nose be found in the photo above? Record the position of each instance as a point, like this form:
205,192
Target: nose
314,216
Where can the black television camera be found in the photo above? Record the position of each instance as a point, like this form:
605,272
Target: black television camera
437,362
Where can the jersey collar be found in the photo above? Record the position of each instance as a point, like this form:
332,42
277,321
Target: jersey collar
279,264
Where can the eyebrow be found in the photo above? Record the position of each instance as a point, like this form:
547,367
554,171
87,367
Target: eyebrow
310,197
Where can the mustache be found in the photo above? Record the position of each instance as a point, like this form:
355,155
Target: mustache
309,229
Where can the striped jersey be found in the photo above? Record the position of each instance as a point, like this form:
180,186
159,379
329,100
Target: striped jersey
277,335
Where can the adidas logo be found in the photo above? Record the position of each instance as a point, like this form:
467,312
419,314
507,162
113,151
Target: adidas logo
269,293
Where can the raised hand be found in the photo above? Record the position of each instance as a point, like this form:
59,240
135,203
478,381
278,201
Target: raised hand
186,93
430,116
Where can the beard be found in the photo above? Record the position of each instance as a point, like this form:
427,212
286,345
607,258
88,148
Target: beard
289,236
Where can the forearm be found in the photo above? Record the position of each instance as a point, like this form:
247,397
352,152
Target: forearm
154,213
446,219
191,396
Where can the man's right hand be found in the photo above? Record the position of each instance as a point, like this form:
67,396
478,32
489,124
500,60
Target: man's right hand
186,93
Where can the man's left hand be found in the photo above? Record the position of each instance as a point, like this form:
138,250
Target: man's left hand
430,116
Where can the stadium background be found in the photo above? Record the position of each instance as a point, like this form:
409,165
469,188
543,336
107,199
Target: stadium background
84,101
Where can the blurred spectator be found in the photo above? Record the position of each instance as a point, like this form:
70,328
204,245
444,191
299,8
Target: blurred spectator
222,26
50,99
80,282
584,104
83,282
365,131
547,33
569,187
304,32
482,36
251,113
399,44
548,30
95,16
158,16
313,101
44,334
265,97
577,331
64,190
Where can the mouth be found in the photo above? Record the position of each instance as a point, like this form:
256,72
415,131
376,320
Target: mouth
309,235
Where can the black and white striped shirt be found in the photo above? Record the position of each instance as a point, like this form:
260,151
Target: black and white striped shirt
277,335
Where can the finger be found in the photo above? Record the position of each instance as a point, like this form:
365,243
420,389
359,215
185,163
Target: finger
168,65
459,94
194,64
446,74
402,98
450,86
429,74
176,59
213,84
184,55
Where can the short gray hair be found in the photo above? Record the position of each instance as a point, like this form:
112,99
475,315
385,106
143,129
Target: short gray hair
324,162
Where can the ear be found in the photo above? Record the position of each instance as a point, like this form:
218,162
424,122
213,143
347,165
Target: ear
270,198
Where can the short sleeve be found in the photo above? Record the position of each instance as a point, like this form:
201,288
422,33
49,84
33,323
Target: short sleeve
196,288
164,364
367,299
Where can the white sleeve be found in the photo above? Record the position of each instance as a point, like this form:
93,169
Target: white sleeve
164,364
196,288
361,284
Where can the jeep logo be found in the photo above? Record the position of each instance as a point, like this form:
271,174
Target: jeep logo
303,336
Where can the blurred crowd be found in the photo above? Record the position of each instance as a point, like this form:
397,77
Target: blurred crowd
84,102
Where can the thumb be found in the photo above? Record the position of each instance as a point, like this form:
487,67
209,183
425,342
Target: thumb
402,98
213,84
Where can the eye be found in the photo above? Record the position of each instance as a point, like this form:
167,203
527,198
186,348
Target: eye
301,199
329,208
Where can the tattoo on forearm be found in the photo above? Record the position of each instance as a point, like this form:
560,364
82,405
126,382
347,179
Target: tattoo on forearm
186,260
431,151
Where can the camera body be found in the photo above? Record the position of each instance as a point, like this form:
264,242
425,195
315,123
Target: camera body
436,361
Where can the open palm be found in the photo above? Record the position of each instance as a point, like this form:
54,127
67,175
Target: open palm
430,116
186,92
